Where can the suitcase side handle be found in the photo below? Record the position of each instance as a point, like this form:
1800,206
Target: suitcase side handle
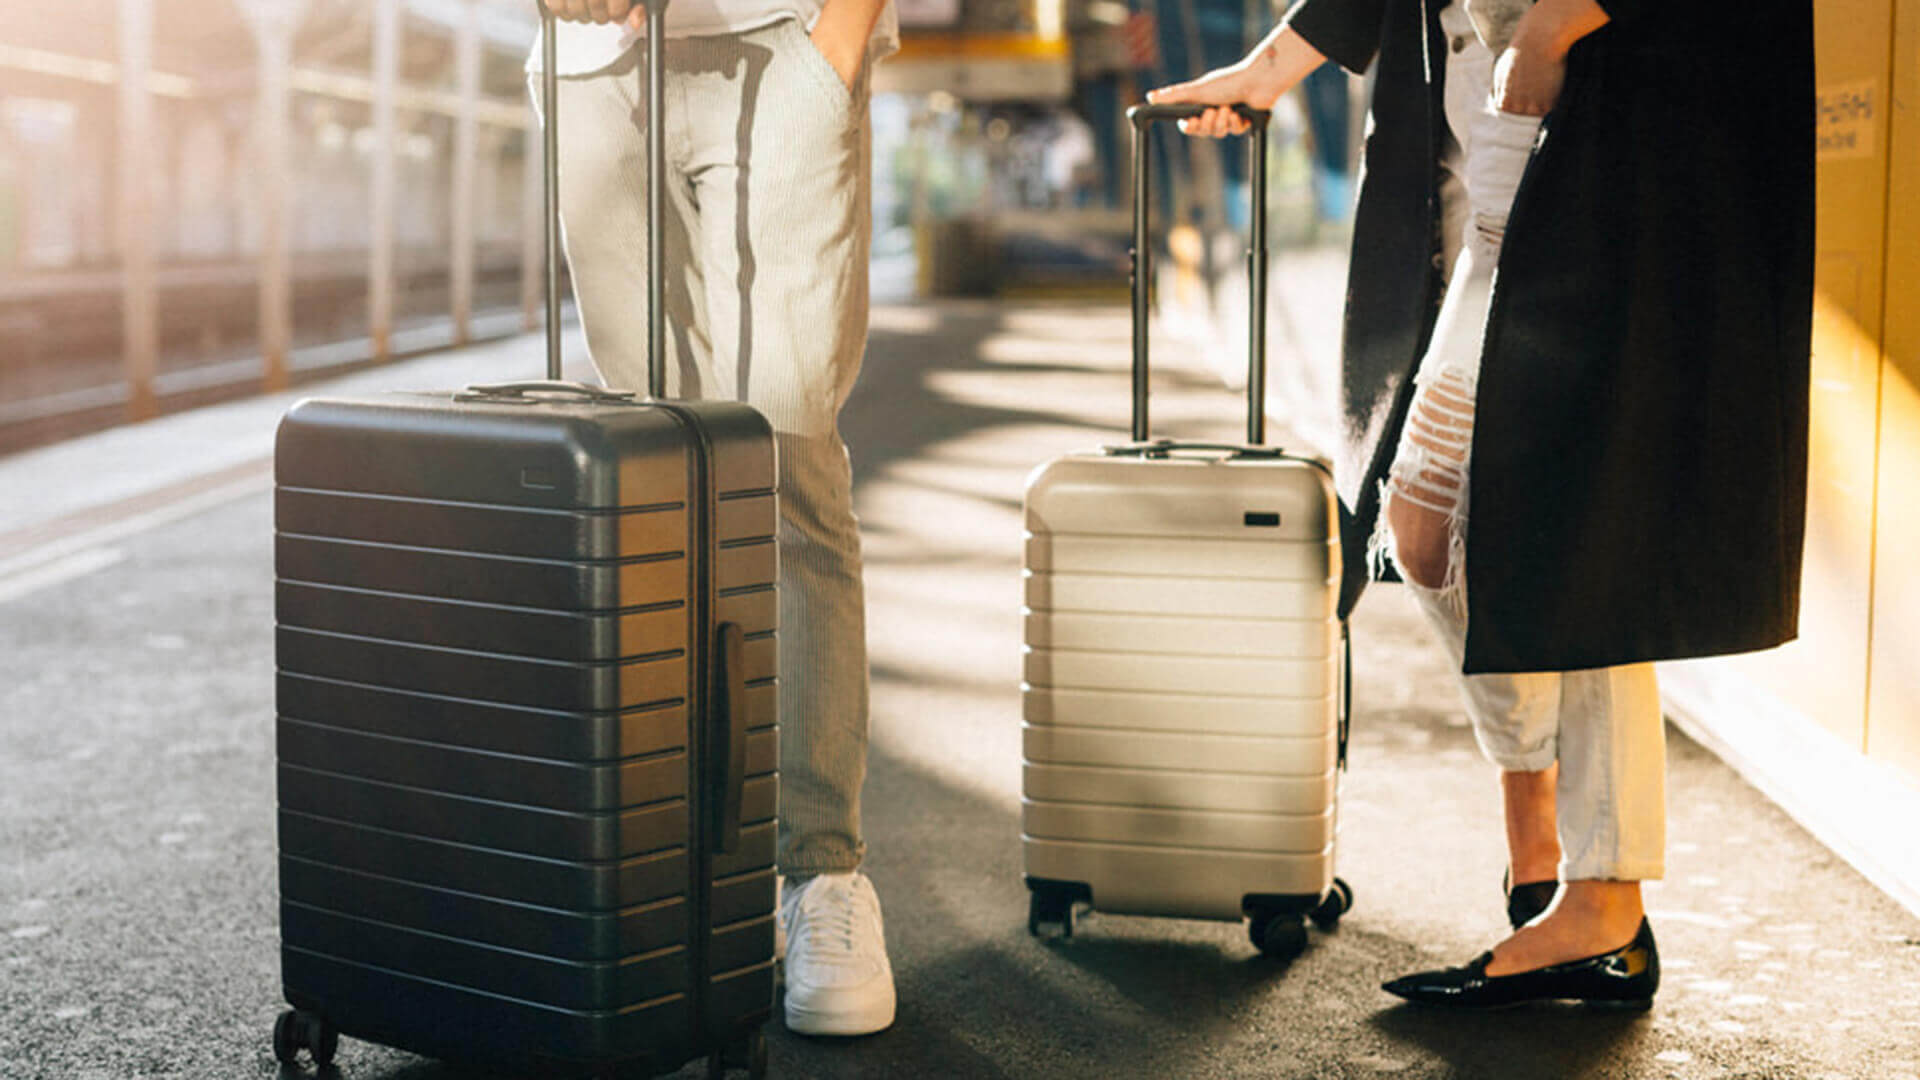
652,82
728,740
1143,118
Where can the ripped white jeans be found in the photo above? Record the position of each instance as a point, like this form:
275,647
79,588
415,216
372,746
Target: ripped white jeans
1603,726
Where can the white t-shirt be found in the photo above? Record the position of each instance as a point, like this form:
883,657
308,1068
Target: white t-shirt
1493,21
584,48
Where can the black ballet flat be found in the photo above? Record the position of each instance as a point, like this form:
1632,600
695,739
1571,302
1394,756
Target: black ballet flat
1526,901
1624,979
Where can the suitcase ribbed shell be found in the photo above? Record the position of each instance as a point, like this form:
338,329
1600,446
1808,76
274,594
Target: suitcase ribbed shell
487,641
1181,680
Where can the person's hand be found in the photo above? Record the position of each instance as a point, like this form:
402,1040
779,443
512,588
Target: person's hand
841,34
843,52
1527,80
1529,74
599,11
1281,59
1238,84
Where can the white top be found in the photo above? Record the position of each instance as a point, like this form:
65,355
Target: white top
584,48
1493,21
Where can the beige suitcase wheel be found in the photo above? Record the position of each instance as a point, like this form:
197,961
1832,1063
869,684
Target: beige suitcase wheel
1050,906
1338,902
1281,935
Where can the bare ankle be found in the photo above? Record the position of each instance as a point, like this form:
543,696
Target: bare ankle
1606,904
1533,838
1527,867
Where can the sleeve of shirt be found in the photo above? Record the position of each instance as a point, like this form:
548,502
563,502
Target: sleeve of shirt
1346,31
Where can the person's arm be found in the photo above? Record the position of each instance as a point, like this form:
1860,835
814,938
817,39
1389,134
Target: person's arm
1274,66
1528,77
842,32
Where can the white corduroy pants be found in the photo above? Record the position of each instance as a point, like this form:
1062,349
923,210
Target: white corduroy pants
768,225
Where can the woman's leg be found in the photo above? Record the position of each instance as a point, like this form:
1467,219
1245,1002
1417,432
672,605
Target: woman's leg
1611,793
1533,828
1582,753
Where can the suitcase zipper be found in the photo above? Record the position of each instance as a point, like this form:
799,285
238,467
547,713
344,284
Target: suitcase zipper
704,640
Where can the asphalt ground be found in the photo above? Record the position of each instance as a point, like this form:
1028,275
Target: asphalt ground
137,911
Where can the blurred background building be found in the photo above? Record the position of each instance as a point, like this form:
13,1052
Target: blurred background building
206,198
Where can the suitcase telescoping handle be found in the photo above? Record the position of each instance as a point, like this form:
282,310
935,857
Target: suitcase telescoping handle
1143,117
656,192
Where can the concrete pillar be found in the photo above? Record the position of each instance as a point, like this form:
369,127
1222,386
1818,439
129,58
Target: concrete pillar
274,23
466,156
139,297
386,77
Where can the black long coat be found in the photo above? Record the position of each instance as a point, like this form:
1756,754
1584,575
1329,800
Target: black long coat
1638,475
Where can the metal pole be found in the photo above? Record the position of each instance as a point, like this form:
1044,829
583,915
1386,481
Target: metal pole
550,174
656,204
531,251
139,299
274,37
380,272
1257,289
1142,276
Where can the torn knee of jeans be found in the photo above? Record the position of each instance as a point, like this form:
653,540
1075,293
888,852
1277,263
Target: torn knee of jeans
1491,229
1430,474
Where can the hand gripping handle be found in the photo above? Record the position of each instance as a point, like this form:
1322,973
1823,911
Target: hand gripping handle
1143,117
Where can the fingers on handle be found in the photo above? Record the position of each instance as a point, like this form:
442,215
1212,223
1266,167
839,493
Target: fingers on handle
1216,123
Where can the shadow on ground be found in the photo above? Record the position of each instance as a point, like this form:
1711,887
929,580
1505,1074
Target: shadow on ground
137,925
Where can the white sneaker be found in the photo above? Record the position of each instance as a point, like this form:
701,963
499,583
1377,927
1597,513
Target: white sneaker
838,979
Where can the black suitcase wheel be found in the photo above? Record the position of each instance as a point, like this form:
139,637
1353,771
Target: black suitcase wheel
286,1043
750,1053
1278,934
1338,901
295,1031
1050,907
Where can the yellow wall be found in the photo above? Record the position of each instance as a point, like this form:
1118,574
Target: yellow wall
1893,713
1825,674
1856,669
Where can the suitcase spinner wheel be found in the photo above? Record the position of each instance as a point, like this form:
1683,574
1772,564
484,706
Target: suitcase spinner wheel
297,1030
1339,901
1279,930
749,1053
1050,906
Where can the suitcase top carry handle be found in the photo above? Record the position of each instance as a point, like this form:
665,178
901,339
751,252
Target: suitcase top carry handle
1143,117
526,391
656,192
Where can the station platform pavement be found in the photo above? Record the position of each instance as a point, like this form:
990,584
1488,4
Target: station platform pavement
138,925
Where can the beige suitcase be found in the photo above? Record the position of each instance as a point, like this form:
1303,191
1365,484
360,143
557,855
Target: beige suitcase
1184,680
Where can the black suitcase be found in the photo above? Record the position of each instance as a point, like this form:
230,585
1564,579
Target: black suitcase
526,734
